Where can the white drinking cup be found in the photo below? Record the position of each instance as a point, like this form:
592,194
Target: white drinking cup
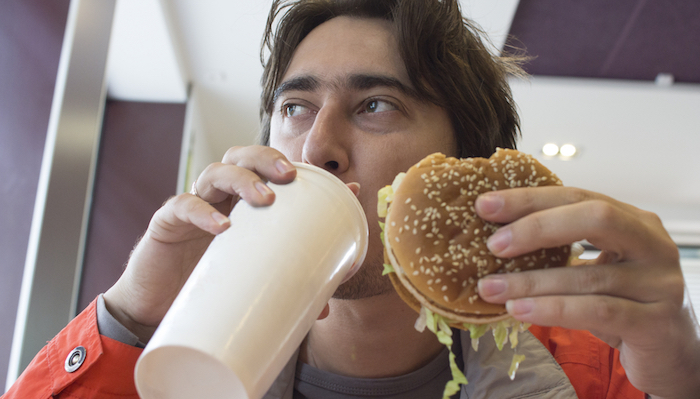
256,292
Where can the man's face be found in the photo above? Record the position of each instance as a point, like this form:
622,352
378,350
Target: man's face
345,104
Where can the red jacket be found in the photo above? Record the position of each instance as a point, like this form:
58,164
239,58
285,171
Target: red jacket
107,372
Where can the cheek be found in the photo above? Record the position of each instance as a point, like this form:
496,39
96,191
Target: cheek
274,132
291,147
435,132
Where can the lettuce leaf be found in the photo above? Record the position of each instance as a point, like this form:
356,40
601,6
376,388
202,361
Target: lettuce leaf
384,196
388,269
517,359
440,327
500,334
381,235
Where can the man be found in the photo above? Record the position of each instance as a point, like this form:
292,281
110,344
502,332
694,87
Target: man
365,89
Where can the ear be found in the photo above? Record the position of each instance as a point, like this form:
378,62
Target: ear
324,313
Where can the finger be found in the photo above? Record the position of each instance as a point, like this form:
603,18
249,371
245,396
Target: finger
603,224
620,280
325,312
605,316
505,206
354,187
219,181
186,209
267,162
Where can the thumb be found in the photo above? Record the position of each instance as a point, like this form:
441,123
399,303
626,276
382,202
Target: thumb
324,313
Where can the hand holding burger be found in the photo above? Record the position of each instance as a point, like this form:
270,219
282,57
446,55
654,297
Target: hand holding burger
435,244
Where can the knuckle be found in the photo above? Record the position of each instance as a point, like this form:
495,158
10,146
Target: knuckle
575,195
605,310
179,200
232,153
169,200
528,285
650,217
557,309
186,203
603,213
595,279
536,226
668,250
675,288
209,169
671,252
528,200
174,206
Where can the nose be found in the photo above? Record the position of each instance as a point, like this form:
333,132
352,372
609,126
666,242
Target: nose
326,143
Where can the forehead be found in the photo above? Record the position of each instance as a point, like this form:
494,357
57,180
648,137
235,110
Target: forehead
346,46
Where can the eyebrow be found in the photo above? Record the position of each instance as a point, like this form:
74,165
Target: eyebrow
299,83
354,82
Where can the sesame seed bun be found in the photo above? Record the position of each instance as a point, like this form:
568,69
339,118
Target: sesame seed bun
436,243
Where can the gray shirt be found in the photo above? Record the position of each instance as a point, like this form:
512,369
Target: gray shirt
425,383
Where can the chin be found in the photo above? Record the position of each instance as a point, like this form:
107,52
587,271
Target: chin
368,281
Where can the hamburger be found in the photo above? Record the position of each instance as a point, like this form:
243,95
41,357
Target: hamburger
435,245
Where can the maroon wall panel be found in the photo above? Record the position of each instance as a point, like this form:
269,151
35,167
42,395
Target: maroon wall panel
623,39
136,172
31,35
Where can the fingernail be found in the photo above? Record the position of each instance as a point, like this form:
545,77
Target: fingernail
263,189
491,286
498,242
283,166
519,307
220,219
488,204
356,189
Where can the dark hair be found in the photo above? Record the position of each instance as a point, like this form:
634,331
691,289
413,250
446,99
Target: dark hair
447,62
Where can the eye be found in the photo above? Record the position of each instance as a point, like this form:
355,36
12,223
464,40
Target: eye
290,110
374,105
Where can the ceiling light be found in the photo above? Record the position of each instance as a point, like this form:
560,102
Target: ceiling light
664,79
567,150
550,149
